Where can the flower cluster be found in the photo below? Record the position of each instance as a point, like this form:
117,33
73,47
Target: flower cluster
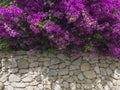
76,25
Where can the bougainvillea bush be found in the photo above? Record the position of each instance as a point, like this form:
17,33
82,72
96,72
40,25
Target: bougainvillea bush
74,25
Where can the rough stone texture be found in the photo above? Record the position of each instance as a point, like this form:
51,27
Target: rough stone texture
42,71
14,78
1,86
89,74
85,66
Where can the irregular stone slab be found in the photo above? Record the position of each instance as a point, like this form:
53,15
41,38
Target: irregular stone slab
65,84
27,79
80,76
14,78
85,67
63,71
56,86
89,74
61,56
33,64
103,71
74,67
10,87
23,64
55,61
52,73
13,70
18,85
77,62
40,86
29,88
97,69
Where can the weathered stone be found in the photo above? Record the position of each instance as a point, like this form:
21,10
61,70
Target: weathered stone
85,66
73,67
109,71
118,82
29,88
80,76
18,84
3,78
22,64
13,70
22,71
61,56
40,86
106,87
77,62
27,79
56,86
13,62
1,86
52,73
55,61
65,84
87,86
62,65
47,63
14,78
10,87
70,79
63,71
103,71
97,69
89,74
33,64
73,86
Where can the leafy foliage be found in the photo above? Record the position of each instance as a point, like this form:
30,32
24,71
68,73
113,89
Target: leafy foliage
74,25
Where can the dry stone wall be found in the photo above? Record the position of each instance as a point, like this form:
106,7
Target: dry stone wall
20,70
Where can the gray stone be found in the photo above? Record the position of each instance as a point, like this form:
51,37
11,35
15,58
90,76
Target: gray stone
73,67
14,78
62,65
77,62
23,64
80,76
33,64
13,70
3,78
52,73
65,84
29,88
55,61
13,62
109,71
61,56
70,79
103,71
47,63
63,71
56,86
97,69
90,74
18,85
40,86
10,87
27,79
85,66
106,87
117,72
23,71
